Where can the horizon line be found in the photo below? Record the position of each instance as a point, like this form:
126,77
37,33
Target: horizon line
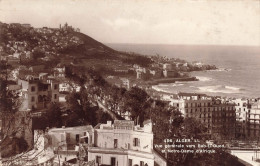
218,45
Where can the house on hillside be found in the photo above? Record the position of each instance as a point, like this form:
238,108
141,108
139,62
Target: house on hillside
37,94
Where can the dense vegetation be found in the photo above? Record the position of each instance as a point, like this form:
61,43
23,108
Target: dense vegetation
10,144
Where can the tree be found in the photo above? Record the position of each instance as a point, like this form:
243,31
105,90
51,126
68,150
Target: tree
136,101
9,100
9,114
38,54
193,128
53,115
115,98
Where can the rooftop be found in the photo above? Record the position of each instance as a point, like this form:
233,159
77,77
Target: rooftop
87,127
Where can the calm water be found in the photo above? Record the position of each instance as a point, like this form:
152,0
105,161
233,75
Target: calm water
239,74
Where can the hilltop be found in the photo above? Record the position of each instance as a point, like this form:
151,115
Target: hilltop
54,43
22,44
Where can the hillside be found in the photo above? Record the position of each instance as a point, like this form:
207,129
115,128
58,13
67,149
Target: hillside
44,48
57,43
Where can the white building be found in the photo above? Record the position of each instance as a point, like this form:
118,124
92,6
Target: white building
241,116
70,137
125,82
167,66
253,121
123,144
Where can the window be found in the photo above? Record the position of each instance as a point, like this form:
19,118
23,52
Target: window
113,161
115,143
86,140
55,96
141,163
77,138
55,86
98,159
136,142
130,162
32,88
33,99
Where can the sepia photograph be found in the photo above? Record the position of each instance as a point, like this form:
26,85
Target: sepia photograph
129,83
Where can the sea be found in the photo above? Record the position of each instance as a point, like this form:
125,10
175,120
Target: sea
238,73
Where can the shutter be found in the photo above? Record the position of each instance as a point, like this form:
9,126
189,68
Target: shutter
138,142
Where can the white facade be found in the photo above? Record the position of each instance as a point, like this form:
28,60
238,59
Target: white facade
123,144
241,109
68,138
253,119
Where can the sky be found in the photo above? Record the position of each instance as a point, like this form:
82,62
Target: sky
194,22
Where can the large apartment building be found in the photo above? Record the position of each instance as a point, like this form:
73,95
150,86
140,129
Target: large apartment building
241,106
253,121
217,115
247,118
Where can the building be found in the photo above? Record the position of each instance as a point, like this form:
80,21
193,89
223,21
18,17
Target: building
123,144
247,118
217,115
170,73
241,106
63,139
167,66
37,94
138,75
253,121
59,71
125,83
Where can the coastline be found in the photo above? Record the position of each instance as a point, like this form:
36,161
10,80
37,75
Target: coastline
170,80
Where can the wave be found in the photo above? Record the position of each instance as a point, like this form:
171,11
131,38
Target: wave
171,84
159,89
232,88
221,69
220,89
167,88
203,78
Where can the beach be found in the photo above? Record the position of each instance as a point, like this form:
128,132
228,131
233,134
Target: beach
237,74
